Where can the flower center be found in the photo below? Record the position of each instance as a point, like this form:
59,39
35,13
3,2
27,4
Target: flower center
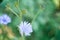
4,20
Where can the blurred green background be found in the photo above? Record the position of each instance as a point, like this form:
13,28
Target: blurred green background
44,15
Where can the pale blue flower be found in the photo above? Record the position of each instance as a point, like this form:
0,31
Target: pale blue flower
25,28
5,19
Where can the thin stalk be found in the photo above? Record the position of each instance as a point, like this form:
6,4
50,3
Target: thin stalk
23,37
36,16
18,8
12,11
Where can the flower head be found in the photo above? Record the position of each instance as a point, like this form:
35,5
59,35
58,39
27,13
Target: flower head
25,28
5,19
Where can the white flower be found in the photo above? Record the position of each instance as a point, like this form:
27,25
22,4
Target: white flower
25,28
5,19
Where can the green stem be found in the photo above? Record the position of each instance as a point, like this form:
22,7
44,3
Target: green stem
20,13
23,37
36,16
12,11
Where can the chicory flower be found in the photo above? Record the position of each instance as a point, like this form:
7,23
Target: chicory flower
25,28
5,19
